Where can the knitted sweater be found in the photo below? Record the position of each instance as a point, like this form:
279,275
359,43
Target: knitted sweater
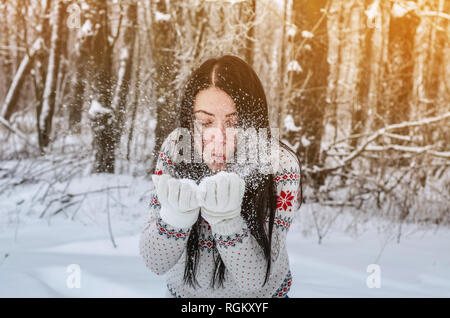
163,247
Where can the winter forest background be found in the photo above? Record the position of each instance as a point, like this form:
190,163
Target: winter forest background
359,88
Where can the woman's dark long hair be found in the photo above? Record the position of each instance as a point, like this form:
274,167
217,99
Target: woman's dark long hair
235,77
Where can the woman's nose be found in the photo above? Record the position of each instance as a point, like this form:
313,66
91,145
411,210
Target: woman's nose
220,131
223,132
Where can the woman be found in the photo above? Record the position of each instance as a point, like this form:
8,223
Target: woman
218,226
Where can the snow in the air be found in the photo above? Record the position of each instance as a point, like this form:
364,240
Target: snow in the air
307,34
97,108
159,16
289,124
294,66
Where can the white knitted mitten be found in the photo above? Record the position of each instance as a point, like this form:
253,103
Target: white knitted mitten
179,206
220,197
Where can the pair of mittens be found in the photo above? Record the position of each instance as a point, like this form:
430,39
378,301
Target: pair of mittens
219,197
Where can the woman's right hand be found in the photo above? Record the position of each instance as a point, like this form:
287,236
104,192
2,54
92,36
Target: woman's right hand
179,205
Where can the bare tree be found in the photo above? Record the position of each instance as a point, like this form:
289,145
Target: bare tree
41,59
119,99
163,15
78,83
4,43
248,17
100,111
46,109
31,54
107,108
10,104
308,71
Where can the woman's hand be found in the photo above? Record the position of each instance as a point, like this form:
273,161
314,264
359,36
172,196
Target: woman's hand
178,199
220,197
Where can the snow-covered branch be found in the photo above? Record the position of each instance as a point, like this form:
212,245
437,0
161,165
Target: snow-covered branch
381,132
416,150
6,124
385,130
442,15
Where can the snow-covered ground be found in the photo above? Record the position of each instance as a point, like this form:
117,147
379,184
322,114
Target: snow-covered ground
36,253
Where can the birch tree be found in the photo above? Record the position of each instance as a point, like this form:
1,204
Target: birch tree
119,100
32,60
78,84
46,110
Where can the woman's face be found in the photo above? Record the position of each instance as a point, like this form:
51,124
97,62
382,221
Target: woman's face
215,115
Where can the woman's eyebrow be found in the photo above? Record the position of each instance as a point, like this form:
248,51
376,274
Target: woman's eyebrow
204,112
200,110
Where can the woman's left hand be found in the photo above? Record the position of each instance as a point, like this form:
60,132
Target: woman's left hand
220,196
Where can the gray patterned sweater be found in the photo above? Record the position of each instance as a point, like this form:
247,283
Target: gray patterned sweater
163,247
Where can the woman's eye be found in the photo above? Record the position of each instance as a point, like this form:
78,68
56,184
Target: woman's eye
232,124
206,124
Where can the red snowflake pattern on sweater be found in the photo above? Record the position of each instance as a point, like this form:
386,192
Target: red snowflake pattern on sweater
284,200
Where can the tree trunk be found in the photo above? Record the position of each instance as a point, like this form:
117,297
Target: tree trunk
100,112
165,71
282,81
136,98
398,75
41,59
334,59
398,69
46,111
124,73
78,83
309,103
249,19
10,104
6,58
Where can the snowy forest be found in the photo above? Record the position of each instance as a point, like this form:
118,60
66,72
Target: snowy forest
360,90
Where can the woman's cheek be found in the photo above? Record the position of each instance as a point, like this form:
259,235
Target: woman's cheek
198,141
209,147
203,147
231,146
